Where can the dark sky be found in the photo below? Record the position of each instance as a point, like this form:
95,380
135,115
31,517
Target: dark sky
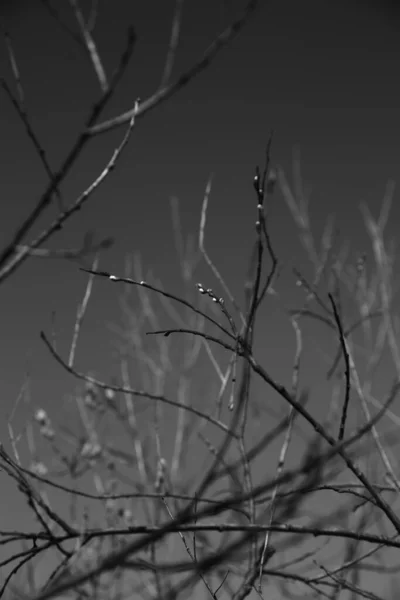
323,75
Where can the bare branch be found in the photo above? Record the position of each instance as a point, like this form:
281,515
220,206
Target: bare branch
169,90
8,261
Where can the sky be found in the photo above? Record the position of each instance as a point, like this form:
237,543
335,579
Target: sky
322,75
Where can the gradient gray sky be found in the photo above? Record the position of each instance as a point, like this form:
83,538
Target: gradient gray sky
323,75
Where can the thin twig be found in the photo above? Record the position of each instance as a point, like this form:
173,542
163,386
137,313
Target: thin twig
285,445
81,313
19,105
208,260
212,594
90,46
120,557
124,390
347,368
144,284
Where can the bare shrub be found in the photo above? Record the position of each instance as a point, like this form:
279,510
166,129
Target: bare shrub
178,478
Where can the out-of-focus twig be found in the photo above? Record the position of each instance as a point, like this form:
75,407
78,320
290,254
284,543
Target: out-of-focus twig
173,43
89,247
285,445
133,392
81,313
90,46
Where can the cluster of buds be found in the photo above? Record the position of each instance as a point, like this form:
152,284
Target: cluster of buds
46,428
109,394
209,293
91,450
126,515
303,284
361,263
93,399
39,468
160,477
258,184
110,505
218,300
